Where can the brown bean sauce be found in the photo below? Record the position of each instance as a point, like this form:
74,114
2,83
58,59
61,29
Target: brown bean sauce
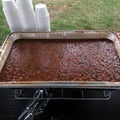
62,60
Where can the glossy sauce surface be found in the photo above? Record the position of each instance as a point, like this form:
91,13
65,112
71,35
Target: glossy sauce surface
62,60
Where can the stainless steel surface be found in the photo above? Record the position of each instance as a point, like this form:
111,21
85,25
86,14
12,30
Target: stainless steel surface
6,47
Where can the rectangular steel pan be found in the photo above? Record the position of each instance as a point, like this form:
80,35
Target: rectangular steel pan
7,46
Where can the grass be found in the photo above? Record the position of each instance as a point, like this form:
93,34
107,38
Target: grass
77,15
88,15
3,26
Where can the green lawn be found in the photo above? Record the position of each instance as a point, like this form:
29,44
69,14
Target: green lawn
3,26
77,15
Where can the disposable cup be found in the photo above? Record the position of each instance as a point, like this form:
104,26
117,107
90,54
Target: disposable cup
9,5
43,24
41,10
23,2
13,20
42,18
12,16
26,7
26,14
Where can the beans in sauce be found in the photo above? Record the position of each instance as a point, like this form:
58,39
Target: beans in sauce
62,60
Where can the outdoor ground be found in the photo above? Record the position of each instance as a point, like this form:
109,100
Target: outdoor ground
77,15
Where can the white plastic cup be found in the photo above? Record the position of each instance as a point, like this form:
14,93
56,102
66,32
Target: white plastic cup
41,9
9,5
43,23
27,16
42,18
23,2
11,15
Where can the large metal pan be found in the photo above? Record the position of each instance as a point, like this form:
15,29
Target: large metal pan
71,37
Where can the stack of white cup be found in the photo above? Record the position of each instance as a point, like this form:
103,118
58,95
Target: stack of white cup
26,13
21,17
11,14
42,18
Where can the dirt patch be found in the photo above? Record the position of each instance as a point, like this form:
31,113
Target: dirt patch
54,11
54,6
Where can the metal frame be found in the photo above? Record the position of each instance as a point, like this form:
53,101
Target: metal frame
60,94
